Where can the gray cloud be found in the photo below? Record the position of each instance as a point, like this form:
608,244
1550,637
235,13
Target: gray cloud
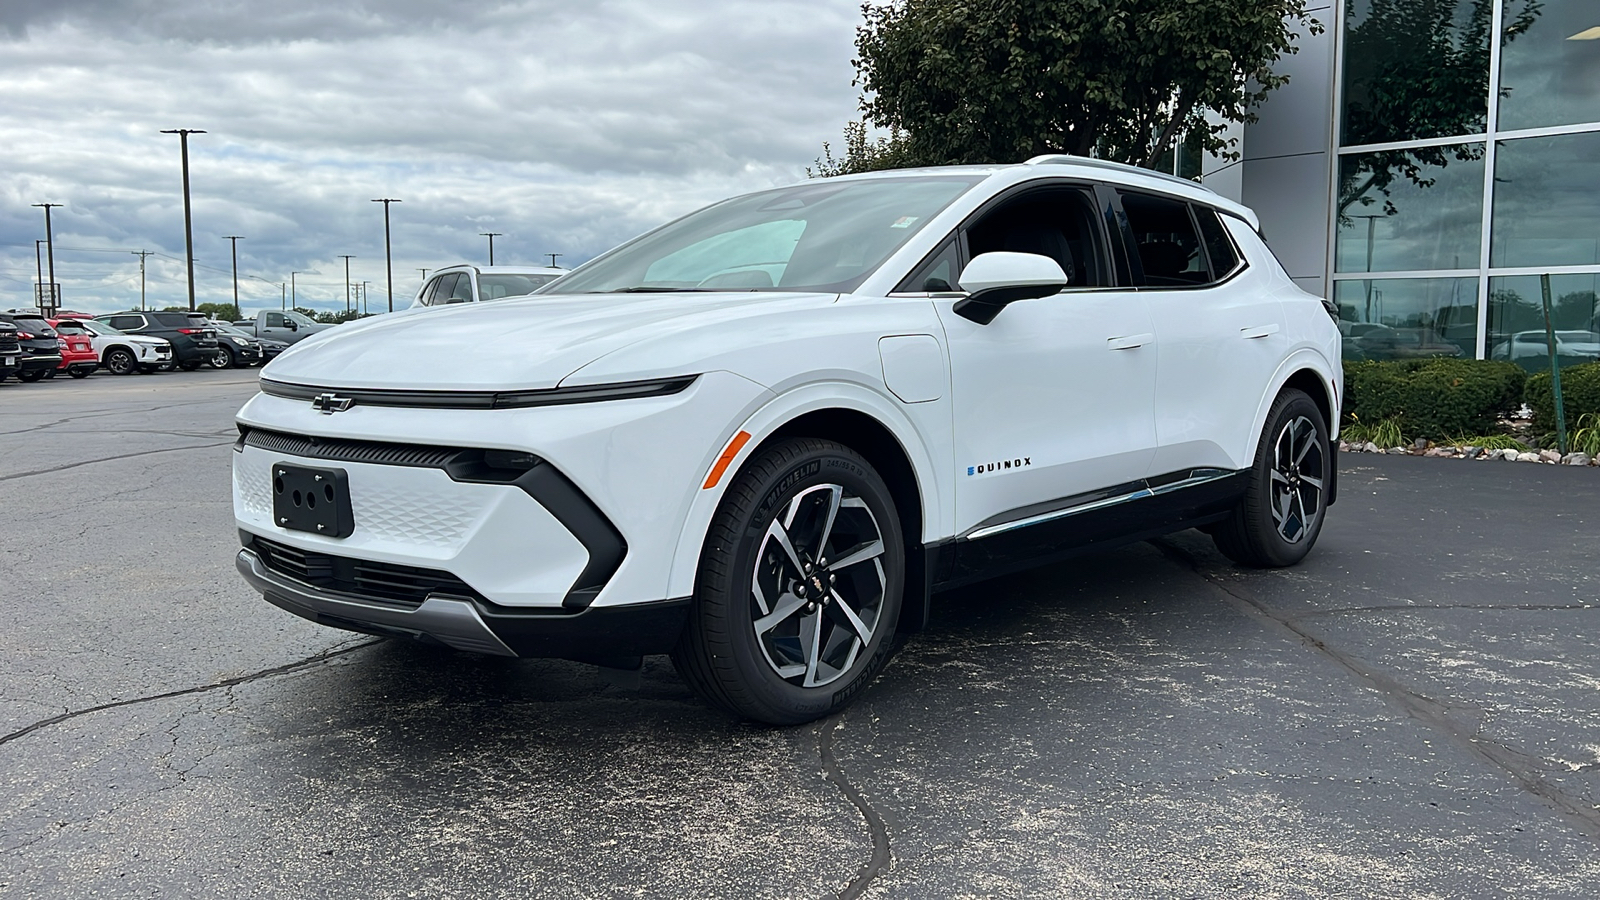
569,128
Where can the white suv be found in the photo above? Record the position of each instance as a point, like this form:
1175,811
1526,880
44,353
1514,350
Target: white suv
475,284
760,437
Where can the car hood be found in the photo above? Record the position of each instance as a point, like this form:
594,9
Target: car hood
528,343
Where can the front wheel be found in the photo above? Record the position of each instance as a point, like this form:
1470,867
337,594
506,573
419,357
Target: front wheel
121,362
1280,516
222,360
189,366
799,586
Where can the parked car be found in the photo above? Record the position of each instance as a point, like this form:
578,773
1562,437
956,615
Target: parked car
1532,348
78,358
239,348
124,354
758,438
287,326
475,284
10,351
193,340
41,348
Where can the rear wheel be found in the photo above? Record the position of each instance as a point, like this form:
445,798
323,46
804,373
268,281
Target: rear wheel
120,361
31,377
78,373
189,366
799,586
1280,516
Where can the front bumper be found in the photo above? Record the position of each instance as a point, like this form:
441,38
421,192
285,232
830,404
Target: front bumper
612,634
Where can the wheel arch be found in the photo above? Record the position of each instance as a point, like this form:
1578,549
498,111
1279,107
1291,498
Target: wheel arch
110,347
1307,371
868,424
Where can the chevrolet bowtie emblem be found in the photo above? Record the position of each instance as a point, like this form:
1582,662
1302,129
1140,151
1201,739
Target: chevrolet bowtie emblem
329,404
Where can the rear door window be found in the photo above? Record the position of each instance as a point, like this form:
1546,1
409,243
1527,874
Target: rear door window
1165,241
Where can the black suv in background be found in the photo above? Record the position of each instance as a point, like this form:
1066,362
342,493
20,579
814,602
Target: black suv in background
41,349
10,351
193,339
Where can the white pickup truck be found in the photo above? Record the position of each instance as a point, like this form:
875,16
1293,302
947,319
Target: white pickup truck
287,326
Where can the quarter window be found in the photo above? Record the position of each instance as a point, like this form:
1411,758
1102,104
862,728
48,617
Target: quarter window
127,323
1219,247
1165,240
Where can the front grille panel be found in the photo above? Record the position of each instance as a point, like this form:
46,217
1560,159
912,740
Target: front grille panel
340,450
403,587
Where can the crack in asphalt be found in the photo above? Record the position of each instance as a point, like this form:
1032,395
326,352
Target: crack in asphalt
115,411
1418,607
90,462
878,863
1522,767
225,684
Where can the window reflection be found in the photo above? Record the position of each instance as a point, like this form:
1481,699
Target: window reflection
1550,66
1547,202
1517,327
1408,318
1410,209
1415,69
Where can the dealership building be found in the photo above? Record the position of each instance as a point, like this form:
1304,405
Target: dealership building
1427,164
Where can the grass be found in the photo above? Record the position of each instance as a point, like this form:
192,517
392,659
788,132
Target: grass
1489,442
1384,434
1586,439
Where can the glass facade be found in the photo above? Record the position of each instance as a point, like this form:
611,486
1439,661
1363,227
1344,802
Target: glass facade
1452,214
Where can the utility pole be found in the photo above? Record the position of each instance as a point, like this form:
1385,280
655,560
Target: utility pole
293,295
50,250
235,239
364,297
346,281
142,254
388,257
491,235
283,295
188,219
553,258
424,274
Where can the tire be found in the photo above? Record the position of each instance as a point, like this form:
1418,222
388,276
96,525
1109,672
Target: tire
190,366
758,644
31,377
222,360
78,373
1280,516
121,361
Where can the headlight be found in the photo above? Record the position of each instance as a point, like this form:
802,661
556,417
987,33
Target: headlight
240,341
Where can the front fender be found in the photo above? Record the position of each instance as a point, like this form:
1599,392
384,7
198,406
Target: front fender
913,425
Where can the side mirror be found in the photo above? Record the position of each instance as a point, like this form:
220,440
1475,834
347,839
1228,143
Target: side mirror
996,280
289,324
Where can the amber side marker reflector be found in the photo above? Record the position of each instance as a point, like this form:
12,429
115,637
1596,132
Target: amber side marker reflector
726,459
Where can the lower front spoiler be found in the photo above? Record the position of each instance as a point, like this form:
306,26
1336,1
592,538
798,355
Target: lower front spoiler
608,635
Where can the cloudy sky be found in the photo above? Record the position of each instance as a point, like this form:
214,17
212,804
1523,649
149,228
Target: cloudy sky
569,127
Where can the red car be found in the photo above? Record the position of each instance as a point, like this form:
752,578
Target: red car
78,358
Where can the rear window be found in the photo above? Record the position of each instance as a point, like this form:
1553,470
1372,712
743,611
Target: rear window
35,324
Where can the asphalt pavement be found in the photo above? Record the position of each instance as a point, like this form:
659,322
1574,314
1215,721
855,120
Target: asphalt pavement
1412,712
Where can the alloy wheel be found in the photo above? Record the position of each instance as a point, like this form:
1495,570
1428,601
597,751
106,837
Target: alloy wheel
1298,467
817,591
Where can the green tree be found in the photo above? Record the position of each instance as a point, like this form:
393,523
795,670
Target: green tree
225,312
982,81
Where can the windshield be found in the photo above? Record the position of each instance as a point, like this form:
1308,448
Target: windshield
826,236
98,327
494,287
230,330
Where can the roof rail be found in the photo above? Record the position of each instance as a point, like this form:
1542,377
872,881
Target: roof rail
1093,163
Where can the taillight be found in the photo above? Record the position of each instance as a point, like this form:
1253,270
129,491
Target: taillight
25,335
188,331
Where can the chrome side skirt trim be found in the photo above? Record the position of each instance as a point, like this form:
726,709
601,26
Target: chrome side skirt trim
1193,479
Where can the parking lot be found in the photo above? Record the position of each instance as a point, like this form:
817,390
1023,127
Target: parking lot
1415,711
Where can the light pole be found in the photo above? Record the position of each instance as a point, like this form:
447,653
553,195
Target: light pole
346,280
50,251
38,268
364,297
1369,217
388,257
235,239
491,235
188,221
424,274
142,254
293,295
553,258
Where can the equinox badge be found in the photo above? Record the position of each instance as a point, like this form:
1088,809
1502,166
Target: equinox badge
328,404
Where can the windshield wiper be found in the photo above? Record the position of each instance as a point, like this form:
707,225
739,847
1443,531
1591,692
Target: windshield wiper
647,289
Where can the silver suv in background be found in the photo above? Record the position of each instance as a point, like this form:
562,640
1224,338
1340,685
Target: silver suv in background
474,284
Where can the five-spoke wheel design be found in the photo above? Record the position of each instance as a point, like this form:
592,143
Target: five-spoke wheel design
818,586
1297,473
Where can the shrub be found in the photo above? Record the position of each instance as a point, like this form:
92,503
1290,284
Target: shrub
1580,395
1433,398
